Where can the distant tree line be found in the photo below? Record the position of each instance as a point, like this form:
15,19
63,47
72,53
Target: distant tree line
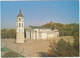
64,29
10,33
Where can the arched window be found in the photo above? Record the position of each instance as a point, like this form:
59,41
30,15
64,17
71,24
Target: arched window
19,19
19,24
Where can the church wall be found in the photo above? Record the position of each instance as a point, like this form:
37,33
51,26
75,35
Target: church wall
56,34
43,35
32,33
36,33
28,34
51,35
40,34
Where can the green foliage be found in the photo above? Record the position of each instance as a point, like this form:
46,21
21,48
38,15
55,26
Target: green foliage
62,49
8,33
76,40
64,29
12,54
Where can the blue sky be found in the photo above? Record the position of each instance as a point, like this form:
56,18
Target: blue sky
39,12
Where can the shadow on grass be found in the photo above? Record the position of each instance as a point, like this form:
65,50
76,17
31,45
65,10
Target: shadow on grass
43,54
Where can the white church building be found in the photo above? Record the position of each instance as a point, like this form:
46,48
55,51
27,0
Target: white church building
39,32
33,32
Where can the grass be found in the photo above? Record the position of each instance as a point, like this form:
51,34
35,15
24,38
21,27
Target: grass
10,53
5,49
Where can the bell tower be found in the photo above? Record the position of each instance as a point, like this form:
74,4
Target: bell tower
20,28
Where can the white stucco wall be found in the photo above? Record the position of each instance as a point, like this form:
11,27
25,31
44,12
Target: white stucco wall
28,34
51,35
43,35
32,36
56,34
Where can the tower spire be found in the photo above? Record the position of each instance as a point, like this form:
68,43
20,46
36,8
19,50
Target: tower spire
20,14
20,11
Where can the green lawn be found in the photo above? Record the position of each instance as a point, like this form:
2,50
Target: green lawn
5,49
10,53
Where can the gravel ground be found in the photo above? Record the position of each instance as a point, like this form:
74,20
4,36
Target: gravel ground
31,48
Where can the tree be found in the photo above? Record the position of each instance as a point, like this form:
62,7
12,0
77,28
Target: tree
64,29
76,36
8,33
62,49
